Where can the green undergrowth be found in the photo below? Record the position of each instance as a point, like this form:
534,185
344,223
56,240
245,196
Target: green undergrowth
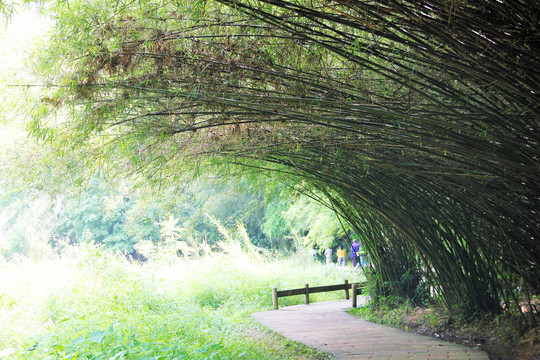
94,305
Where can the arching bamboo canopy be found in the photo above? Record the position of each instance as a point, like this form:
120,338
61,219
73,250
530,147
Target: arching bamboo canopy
418,119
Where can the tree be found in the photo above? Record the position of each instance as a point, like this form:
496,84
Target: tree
419,118
98,214
297,220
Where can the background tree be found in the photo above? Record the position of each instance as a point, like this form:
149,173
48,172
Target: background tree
120,218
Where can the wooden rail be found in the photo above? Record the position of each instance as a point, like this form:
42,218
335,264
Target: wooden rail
312,290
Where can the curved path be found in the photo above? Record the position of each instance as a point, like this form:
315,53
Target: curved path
327,327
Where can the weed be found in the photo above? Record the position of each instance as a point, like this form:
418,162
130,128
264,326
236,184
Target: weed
99,306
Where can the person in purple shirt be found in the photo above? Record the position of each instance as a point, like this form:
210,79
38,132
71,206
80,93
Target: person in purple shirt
355,248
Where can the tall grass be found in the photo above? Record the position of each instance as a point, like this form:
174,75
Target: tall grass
96,305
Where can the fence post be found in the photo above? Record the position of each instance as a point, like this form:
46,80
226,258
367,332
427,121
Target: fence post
275,298
346,289
306,301
354,291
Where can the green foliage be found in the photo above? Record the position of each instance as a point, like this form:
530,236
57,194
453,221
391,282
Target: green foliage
384,315
304,220
135,221
228,200
320,223
94,305
99,215
275,226
392,311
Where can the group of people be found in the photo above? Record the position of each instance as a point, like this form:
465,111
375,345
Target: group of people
355,256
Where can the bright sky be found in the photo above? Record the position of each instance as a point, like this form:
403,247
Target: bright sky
17,37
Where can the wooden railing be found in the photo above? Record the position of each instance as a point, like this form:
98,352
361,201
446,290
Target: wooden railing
354,287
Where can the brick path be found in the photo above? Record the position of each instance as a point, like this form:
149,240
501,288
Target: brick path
327,327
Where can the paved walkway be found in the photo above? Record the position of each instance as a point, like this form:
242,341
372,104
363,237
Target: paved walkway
327,327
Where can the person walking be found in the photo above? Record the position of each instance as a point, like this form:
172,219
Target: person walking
341,253
328,253
313,253
355,249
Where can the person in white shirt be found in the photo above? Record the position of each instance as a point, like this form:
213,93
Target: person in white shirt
328,254
313,254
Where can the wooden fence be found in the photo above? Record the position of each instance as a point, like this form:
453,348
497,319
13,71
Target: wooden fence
354,287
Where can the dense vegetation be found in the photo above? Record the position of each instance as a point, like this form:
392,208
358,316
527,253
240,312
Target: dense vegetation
90,304
134,222
416,122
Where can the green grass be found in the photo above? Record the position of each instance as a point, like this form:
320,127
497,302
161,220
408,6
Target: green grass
94,305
